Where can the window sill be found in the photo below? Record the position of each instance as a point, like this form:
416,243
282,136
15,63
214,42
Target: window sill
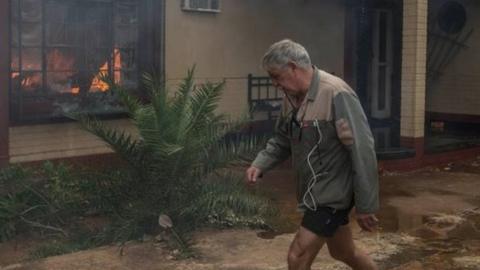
201,10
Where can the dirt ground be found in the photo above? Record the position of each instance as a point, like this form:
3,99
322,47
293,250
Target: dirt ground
429,219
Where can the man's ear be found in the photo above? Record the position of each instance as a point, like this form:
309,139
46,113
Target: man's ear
292,65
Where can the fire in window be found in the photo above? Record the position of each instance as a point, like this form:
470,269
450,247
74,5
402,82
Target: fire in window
61,48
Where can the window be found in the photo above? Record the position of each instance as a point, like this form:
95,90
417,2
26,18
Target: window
59,50
201,5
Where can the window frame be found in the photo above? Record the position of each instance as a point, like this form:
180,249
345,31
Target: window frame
186,6
39,108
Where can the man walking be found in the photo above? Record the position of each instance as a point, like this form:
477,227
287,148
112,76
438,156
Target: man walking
323,128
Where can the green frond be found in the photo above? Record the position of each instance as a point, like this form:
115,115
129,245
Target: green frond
120,142
106,78
204,104
181,103
227,195
183,94
129,101
231,150
153,84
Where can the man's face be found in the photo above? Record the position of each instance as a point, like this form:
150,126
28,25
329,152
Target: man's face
285,79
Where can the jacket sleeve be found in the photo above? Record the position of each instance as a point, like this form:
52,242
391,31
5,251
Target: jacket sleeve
353,130
276,150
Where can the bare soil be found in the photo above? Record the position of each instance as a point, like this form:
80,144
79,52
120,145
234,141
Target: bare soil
429,219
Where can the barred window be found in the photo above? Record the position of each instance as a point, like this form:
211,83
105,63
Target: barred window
61,48
201,5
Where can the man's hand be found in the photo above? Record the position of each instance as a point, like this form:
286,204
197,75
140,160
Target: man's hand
367,222
252,174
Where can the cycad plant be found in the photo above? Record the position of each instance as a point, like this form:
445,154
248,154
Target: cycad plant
178,159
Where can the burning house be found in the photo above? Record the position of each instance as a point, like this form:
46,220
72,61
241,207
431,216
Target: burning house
412,62
58,51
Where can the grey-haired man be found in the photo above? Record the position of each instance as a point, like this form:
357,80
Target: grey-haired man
323,128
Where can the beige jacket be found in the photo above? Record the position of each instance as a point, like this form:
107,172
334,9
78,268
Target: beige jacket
331,146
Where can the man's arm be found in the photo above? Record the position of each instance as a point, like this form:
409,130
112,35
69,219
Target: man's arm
353,130
276,151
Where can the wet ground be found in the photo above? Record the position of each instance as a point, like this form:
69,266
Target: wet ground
429,219
434,212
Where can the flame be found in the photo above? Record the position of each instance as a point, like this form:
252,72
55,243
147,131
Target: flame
57,60
97,83
28,81
117,65
60,61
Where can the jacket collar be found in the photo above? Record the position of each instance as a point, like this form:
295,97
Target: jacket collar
313,89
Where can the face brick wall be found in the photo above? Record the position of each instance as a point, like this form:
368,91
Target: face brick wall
413,68
53,141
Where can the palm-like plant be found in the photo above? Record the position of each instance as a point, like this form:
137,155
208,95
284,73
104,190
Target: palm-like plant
181,145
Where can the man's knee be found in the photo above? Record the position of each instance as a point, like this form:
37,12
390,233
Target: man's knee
295,254
304,248
293,258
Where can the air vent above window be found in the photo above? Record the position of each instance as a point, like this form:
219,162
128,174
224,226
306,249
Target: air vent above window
201,5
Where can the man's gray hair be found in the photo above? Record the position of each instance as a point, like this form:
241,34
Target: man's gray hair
283,52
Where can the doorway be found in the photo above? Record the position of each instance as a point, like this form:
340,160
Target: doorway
381,64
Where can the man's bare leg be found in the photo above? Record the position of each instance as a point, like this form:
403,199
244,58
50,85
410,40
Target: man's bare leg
342,248
304,249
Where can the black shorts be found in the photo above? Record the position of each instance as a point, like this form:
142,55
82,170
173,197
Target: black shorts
325,221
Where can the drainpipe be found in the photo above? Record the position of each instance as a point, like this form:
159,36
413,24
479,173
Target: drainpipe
4,81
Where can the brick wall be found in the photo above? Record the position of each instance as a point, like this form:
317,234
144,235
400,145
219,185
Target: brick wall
53,141
413,68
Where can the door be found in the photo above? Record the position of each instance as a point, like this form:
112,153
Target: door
382,64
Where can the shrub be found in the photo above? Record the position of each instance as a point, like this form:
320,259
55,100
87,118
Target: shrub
176,160
24,204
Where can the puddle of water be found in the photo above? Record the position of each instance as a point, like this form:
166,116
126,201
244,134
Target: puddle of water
470,229
392,219
443,240
407,255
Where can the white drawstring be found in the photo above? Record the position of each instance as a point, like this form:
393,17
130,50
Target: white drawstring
313,180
